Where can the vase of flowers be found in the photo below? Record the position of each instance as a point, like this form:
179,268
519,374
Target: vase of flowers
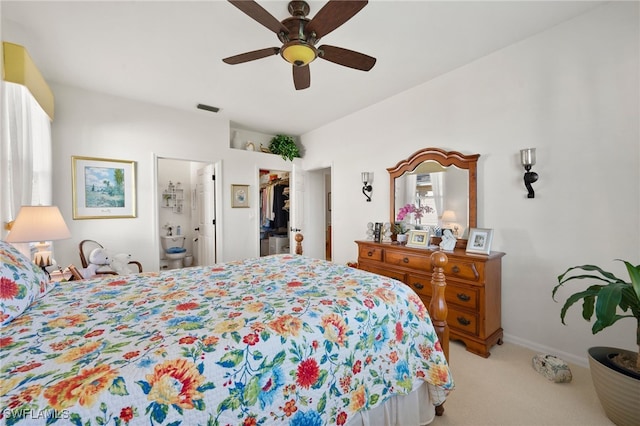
417,211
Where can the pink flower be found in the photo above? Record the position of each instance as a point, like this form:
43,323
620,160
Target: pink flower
411,208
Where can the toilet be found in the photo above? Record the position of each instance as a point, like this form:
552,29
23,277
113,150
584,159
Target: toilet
174,250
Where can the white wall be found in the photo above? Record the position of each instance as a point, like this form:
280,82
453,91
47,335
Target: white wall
572,92
96,125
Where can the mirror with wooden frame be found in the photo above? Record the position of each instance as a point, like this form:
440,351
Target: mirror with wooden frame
443,180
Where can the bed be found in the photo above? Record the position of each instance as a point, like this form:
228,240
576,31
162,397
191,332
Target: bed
282,339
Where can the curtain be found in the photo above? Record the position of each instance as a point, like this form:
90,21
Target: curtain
25,157
437,184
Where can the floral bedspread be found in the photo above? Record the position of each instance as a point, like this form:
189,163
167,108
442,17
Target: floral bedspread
276,340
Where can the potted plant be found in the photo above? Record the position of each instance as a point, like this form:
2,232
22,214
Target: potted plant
615,372
400,232
285,146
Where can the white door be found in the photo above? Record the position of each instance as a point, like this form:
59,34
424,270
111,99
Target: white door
296,206
206,229
308,211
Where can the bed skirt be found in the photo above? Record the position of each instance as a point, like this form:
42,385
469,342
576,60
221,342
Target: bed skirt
415,409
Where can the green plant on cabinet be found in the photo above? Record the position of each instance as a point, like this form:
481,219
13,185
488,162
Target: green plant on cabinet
285,146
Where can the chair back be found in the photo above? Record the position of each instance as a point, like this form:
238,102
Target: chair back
86,247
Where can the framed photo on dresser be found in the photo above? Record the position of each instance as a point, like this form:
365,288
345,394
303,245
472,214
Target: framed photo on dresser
480,240
418,238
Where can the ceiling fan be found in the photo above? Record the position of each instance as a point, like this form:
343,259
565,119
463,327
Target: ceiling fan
299,36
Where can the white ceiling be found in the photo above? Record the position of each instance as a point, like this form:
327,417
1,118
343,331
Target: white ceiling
170,53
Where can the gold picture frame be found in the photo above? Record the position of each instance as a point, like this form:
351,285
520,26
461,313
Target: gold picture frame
239,196
418,238
103,188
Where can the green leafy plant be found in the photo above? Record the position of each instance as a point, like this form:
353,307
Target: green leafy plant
285,146
399,228
603,300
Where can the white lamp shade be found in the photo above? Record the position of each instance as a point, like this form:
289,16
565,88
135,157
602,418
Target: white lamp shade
449,216
38,223
528,156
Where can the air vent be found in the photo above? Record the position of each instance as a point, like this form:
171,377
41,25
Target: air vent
208,108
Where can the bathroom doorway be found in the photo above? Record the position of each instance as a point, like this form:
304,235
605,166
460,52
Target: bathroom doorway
184,202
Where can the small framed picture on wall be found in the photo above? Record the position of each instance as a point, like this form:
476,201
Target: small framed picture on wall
239,196
480,240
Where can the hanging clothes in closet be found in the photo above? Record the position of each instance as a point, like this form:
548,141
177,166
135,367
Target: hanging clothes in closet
274,211
281,216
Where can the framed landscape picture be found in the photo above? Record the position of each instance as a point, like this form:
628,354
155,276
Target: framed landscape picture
480,240
103,188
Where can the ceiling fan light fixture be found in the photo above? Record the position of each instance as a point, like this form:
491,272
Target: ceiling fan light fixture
298,54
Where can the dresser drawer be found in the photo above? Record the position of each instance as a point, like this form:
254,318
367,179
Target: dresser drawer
463,296
400,276
470,271
420,284
368,252
408,260
463,321
458,319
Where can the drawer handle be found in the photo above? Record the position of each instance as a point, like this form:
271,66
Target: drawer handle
418,286
455,269
370,253
463,297
463,321
405,260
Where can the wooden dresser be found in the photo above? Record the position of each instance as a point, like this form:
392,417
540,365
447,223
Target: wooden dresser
473,287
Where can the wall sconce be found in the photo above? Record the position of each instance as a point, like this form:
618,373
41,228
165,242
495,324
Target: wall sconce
367,178
528,159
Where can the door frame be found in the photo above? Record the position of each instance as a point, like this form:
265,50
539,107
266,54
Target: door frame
314,205
155,222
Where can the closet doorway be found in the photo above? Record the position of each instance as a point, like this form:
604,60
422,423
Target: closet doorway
274,212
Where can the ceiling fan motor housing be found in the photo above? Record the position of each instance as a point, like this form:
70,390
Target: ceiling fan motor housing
298,47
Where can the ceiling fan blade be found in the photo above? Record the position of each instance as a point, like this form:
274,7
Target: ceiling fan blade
258,13
346,57
251,56
301,77
332,15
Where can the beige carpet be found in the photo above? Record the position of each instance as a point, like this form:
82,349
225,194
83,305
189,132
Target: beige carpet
505,390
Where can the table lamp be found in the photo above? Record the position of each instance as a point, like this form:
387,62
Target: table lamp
39,224
449,220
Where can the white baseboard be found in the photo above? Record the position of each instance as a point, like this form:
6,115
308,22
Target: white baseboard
570,358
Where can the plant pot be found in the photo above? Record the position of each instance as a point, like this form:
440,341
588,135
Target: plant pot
401,238
616,388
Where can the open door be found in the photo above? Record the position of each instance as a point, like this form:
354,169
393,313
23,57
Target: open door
296,203
206,230
308,213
